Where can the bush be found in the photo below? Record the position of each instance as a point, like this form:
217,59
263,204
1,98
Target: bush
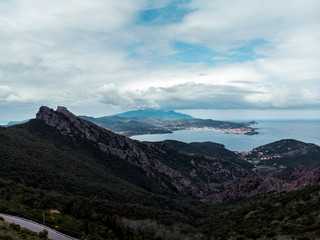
303,238
6,237
15,227
43,234
271,233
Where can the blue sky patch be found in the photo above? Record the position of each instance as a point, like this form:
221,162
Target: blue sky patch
247,51
172,13
194,53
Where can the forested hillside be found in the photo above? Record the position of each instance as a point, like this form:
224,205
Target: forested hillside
107,186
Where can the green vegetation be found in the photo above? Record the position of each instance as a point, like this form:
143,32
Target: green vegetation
11,231
55,172
211,149
288,153
295,214
101,196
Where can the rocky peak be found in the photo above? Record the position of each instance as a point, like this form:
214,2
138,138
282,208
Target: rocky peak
67,123
71,125
66,112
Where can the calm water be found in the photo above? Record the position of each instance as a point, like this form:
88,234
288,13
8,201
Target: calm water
269,131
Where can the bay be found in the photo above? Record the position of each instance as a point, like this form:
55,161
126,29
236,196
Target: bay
269,131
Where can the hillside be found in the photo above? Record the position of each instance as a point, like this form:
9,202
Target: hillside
171,169
284,154
108,186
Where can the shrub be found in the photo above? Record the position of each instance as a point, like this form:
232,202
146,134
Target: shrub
43,234
6,237
15,227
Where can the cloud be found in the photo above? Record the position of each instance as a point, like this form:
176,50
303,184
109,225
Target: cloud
247,54
193,95
7,94
224,25
283,97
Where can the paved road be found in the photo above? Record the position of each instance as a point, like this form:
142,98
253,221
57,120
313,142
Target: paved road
36,227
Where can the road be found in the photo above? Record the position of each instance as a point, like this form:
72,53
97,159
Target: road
36,227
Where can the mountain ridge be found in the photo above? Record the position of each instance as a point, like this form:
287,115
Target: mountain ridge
189,170
107,181
150,157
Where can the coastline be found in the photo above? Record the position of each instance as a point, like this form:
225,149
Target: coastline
238,131
269,131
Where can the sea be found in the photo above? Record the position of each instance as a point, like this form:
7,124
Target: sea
269,131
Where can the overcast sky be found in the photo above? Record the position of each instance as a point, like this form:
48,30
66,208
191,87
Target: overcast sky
102,56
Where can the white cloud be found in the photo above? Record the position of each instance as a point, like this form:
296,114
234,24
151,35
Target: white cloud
223,25
91,52
235,95
295,58
7,94
283,97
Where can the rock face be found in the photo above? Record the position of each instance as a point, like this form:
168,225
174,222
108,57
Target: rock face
188,174
258,185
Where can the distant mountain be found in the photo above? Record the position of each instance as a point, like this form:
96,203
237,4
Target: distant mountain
126,126
153,113
151,121
15,123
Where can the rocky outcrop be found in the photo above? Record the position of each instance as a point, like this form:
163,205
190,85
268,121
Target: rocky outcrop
109,142
252,186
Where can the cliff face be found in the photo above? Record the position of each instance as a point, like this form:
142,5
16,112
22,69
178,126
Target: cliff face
69,124
188,174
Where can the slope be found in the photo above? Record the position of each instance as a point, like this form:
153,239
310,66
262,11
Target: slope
111,187
284,154
172,170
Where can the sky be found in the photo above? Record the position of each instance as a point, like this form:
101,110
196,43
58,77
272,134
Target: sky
99,57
